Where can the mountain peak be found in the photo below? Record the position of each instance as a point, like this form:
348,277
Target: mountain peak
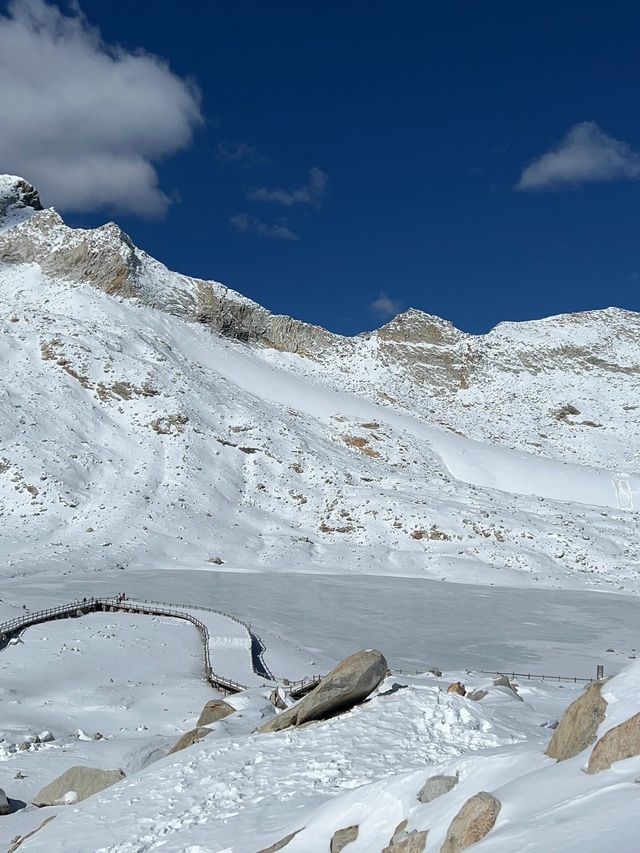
17,193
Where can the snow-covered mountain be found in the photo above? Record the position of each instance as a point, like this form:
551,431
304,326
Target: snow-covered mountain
153,421
149,418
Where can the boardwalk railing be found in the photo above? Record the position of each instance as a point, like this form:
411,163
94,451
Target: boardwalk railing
257,648
574,679
88,605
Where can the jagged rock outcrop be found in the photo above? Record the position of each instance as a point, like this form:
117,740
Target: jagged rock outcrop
76,784
579,724
623,741
17,193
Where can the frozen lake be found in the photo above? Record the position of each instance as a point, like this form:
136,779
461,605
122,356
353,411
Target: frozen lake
416,623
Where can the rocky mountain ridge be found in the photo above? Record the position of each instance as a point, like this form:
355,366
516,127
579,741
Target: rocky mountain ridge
516,385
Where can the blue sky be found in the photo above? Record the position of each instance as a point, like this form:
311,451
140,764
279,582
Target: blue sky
342,161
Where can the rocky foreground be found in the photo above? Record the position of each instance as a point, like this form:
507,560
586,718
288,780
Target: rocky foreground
506,796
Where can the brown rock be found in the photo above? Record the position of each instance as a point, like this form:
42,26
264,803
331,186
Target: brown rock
579,724
474,820
342,837
280,844
191,737
214,710
618,743
458,688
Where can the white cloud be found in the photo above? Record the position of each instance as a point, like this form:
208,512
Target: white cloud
85,121
239,153
586,154
245,222
384,307
312,193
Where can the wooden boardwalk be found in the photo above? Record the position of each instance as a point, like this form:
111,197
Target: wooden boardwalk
252,644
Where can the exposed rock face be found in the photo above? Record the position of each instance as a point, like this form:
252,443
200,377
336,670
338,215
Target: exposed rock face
458,688
475,819
81,781
345,686
214,710
342,837
17,193
280,844
618,743
578,727
191,737
5,808
436,786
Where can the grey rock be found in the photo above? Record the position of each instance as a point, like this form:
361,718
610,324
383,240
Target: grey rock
342,837
190,737
21,195
477,695
621,742
84,781
5,808
436,786
214,710
345,686
475,819
579,725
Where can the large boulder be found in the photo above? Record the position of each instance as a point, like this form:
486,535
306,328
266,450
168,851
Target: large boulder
214,710
190,737
75,784
618,743
474,820
435,787
345,686
5,808
579,725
